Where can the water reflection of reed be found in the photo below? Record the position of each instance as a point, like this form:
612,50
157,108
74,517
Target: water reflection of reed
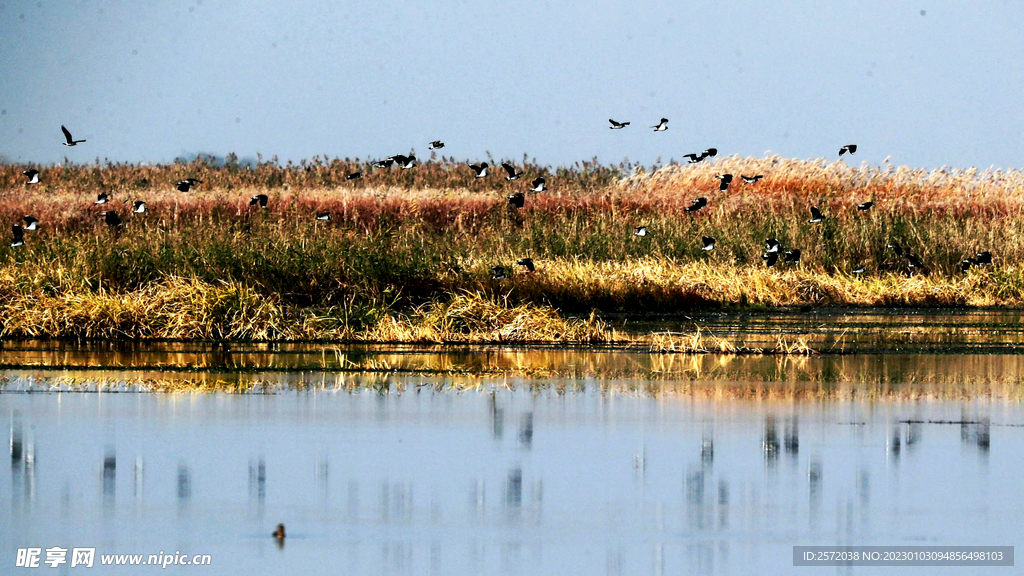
565,372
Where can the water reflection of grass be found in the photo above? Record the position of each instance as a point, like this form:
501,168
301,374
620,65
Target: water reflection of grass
407,254
863,377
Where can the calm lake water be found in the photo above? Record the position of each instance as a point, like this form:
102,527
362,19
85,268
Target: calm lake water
618,464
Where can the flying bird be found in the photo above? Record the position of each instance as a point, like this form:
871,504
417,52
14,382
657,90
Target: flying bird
770,258
640,231
19,236
435,145
405,162
33,176
518,199
792,256
723,182
354,176
709,153
865,206
617,125
69,141
697,204
324,216
187,184
498,273
751,179
851,148
538,185
140,207
983,258
661,126
385,163
102,198
708,241
260,199
111,218
512,174
480,169
528,262
31,223
816,215
694,158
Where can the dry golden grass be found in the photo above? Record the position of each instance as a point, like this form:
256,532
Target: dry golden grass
407,254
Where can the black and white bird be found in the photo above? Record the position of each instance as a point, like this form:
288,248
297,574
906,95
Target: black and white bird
512,174
527,262
102,198
110,218
260,199
723,182
772,245
640,231
694,158
354,176
617,125
538,185
965,264
983,258
816,215
323,216
33,176
498,273
31,223
896,248
864,207
187,184
69,141
859,270
518,199
404,161
697,204
19,236
792,256
140,207
851,148
661,126
914,262
480,169
708,241
770,258
435,145
751,179
709,153
385,163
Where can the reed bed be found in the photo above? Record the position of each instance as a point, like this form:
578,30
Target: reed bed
407,254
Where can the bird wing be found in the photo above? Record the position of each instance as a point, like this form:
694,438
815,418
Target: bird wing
67,135
509,168
815,213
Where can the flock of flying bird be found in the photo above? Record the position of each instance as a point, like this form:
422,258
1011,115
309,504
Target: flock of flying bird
772,251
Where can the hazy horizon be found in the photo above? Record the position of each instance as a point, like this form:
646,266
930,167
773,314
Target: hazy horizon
926,83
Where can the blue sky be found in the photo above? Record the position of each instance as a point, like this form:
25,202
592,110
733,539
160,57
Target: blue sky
148,81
